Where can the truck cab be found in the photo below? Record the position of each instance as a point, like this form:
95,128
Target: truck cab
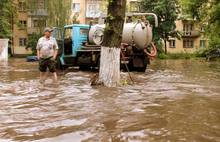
75,50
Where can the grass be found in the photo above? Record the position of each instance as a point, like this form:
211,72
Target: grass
201,53
176,56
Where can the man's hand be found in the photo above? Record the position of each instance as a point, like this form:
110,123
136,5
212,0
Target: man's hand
38,54
55,55
54,58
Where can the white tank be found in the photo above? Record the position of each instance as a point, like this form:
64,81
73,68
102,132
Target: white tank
133,33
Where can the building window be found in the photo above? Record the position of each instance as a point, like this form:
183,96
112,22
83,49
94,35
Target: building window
41,4
22,42
202,29
188,43
35,23
21,6
22,24
187,27
76,7
93,10
39,23
202,43
172,43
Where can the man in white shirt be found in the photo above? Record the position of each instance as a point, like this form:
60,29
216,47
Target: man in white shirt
47,50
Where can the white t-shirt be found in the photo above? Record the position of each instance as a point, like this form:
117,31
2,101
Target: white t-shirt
47,46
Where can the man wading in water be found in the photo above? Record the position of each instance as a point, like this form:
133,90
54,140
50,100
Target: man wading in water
47,50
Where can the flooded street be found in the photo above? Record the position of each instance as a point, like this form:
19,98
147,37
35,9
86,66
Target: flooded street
174,100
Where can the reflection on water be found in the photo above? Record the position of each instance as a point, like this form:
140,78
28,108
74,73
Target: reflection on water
172,101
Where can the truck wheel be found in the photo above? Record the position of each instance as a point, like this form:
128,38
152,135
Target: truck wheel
142,68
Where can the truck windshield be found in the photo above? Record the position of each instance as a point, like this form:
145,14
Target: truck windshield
84,32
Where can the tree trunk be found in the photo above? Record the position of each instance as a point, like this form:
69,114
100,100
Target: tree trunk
109,73
165,46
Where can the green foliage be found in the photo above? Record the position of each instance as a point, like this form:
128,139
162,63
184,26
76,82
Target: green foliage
213,28
6,17
193,8
160,45
162,56
75,19
32,42
208,13
167,12
176,56
59,12
202,52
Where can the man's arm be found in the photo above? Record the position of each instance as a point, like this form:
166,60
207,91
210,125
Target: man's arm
38,50
38,54
55,49
55,54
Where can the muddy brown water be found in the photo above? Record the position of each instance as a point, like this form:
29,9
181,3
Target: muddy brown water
174,100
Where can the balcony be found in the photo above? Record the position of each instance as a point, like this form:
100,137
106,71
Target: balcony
192,34
38,12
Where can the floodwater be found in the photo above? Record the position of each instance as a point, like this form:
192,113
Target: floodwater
173,101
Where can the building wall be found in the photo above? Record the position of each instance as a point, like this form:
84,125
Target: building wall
179,44
80,13
99,6
19,32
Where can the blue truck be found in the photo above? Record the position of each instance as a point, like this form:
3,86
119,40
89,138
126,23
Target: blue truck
74,49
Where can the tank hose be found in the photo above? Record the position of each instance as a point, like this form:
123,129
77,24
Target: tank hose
153,52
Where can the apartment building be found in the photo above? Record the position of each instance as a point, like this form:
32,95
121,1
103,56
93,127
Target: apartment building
20,34
192,38
87,10
28,20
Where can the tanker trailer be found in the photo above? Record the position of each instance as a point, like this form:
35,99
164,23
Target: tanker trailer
137,47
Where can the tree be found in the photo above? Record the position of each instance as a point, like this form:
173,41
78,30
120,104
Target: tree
32,42
59,12
6,17
214,25
109,72
167,12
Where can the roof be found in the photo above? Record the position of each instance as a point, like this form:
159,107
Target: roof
77,25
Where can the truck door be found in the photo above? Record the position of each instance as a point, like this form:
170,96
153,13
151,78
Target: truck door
58,35
68,43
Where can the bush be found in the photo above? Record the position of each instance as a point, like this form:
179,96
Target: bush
32,42
202,52
162,56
